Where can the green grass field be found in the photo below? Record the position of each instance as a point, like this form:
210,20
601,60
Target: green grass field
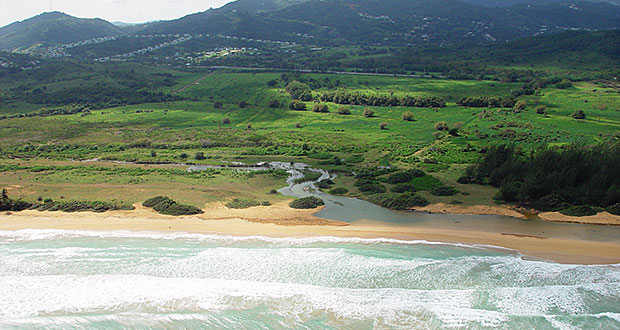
167,132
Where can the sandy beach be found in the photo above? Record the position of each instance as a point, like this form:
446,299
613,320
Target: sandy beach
603,218
301,223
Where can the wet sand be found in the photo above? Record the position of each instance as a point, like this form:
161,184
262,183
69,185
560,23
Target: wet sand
301,223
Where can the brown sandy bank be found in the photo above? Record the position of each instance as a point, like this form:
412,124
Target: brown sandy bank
475,210
603,218
560,250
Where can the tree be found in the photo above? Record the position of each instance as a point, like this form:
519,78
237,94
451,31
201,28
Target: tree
226,121
153,153
274,104
579,114
218,105
344,111
320,107
541,109
272,83
442,126
408,116
200,156
183,156
520,105
297,105
383,125
299,91
368,113
242,104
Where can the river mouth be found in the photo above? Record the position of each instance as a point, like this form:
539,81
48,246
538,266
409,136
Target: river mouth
357,211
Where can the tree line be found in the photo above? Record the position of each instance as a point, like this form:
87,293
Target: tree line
382,100
487,102
552,179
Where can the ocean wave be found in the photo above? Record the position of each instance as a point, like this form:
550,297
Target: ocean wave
46,234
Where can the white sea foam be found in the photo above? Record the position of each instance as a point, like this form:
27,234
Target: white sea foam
65,294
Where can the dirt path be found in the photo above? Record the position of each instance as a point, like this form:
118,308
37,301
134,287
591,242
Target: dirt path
193,83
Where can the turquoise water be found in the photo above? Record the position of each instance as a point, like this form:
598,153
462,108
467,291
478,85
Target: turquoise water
51,279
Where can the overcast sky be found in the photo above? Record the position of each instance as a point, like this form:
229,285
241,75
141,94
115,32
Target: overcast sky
131,11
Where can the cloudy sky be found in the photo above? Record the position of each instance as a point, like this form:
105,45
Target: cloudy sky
133,11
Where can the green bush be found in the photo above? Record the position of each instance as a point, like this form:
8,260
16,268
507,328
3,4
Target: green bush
297,105
324,185
368,113
408,116
165,205
343,111
320,107
339,191
80,206
372,188
444,191
239,203
614,209
399,177
398,201
307,203
308,176
403,187
579,211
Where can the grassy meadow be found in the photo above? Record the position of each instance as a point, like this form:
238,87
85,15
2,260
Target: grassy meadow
176,131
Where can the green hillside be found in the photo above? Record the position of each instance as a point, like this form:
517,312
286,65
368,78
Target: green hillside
53,28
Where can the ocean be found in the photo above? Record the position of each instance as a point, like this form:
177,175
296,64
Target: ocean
54,279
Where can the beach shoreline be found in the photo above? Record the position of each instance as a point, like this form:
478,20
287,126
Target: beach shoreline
301,223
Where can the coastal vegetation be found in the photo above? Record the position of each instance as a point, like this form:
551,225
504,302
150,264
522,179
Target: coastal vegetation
311,202
167,206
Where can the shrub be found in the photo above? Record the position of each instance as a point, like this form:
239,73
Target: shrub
579,211
408,116
226,121
218,105
444,191
80,206
324,185
242,104
398,201
239,203
551,203
441,126
579,114
308,176
541,109
614,209
297,105
265,203
273,192
165,205
274,104
520,105
399,177
184,156
403,187
343,111
320,107
339,191
369,113
298,125
200,156
307,203
372,188
383,125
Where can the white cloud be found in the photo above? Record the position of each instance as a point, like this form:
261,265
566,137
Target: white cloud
132,11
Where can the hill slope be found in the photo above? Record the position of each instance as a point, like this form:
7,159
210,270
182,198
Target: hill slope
393,22
53,28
